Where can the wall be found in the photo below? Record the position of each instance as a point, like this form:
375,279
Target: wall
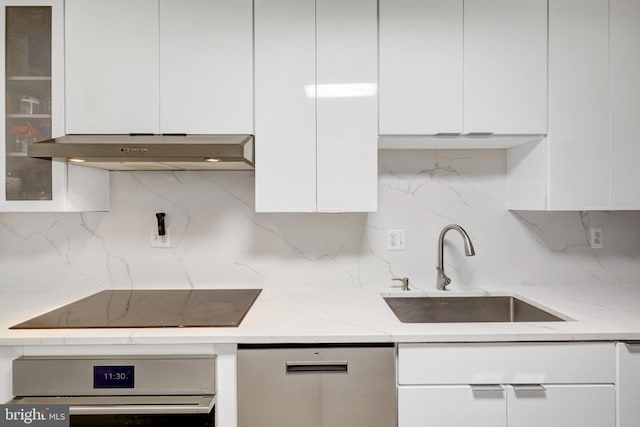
217,240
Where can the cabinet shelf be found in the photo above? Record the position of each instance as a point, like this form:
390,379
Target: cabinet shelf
29,78
17,154
28,116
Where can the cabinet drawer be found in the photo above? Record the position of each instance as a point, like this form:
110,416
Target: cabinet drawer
506,363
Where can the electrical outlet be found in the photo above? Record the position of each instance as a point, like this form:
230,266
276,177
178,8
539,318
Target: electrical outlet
158,241
396,240
595,237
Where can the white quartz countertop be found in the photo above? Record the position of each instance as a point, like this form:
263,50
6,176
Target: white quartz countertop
335,314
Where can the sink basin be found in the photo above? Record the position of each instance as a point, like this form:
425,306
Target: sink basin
467,309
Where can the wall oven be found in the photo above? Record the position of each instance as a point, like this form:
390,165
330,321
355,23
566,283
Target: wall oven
121,391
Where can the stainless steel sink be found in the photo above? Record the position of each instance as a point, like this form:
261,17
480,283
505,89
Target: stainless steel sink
467,309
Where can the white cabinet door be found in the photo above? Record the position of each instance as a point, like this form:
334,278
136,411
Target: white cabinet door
112,55
421,67
578,105
463,66
450,406
285,104
316,105
505,66
628,384
562,406
32,68
624,89
206,66
347,105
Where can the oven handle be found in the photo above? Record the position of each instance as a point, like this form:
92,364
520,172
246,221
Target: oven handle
128,405
140,409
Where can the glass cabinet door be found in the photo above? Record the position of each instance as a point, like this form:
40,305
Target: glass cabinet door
28,95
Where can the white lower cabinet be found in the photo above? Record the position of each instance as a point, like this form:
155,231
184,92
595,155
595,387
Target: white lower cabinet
574,405
508,384
628,384
449,406
585,405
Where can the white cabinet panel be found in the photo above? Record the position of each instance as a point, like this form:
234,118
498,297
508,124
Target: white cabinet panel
527,176
512,384
578,104
316,105
347,105
463,66
206,66
505,66
112,56
562,406
285,105
450,406
521,363
624,89
421,66
628,384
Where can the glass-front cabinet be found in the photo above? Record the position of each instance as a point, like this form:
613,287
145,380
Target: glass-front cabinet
33,111
28,101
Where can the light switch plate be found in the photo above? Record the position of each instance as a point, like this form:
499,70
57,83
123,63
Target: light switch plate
396,239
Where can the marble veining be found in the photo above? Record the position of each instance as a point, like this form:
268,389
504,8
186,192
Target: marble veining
219,241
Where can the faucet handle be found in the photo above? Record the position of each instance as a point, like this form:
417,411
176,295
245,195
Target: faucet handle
405,283
442,280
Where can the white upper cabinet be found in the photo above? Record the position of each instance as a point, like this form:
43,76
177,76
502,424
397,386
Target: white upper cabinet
316,105
505,66
206,66
285,105
624,112
578,105
588,161
454,66
159,66
32,79
347,105
112,55
421,59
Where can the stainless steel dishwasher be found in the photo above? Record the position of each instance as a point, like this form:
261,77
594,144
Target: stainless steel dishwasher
317,386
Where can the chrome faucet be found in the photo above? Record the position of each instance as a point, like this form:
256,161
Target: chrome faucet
443,280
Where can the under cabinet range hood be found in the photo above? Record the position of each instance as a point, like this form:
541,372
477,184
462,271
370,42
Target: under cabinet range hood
150,152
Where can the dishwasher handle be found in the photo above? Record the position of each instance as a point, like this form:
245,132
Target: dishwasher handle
317,367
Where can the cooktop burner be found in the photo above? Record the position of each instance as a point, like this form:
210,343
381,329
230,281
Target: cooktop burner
150,309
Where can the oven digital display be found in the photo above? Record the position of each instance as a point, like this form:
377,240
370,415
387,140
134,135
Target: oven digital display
113,376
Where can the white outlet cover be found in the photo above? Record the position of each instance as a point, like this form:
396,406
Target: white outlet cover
595,238
158,241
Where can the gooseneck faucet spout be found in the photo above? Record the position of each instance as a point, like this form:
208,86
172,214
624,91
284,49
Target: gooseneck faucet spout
443,280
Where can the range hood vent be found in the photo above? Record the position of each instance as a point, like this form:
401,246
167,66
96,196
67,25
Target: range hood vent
150,152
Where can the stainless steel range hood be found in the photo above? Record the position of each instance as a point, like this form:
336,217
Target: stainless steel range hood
150,152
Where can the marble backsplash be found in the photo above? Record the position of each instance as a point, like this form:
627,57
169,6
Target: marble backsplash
217,240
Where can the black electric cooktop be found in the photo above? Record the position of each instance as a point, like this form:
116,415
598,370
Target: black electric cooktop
150,309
